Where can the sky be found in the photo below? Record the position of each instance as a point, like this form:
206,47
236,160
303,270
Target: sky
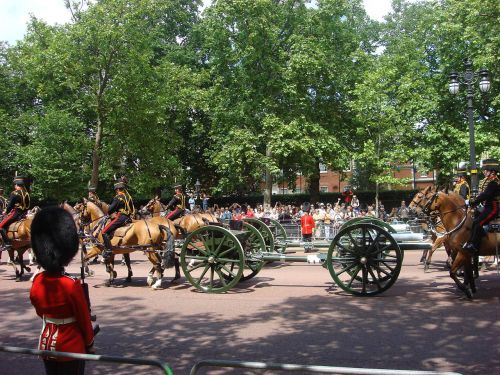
14,14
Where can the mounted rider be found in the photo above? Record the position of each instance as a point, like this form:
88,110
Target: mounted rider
17,206
489,196
462,186
122,206
177,203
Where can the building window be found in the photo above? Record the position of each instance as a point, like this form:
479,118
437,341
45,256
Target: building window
323,168
323,189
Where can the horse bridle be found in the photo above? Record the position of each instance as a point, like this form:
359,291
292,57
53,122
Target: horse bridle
426,208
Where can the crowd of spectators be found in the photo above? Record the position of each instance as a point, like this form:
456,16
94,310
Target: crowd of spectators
325,215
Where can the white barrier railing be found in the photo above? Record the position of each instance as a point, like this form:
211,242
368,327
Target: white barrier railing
314,369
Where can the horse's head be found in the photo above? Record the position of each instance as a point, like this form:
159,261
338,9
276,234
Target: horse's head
81,208
423,201
153,206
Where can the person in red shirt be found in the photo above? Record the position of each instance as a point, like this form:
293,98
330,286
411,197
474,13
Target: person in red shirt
307,224
59,299
347,194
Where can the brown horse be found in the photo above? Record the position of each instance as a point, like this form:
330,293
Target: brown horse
438,239
457,221
185,224
142,235
19,234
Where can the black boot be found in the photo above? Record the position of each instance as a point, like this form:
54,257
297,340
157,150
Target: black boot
470,248
107,246
6,242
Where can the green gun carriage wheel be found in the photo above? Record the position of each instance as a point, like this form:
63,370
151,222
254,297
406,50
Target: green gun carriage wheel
253,247
264,231
364,259
212,259
279,234
370,220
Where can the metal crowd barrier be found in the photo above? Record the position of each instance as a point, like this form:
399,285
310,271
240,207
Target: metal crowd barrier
313,369
90,357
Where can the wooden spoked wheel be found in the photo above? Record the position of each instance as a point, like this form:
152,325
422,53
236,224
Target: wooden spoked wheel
212,259
279,234
264,231
364,259
253,247
369,220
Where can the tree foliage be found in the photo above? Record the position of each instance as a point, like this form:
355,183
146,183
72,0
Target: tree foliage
248,89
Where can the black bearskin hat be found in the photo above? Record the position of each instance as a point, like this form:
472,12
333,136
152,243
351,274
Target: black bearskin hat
306,207
54,238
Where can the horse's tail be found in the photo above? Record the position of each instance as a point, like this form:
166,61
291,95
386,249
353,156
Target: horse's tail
167,254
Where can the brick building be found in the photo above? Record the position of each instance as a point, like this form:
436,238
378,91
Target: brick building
334,181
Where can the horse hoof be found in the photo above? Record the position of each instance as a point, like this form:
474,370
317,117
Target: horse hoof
90,273
150,280
28,269
107,283
156,285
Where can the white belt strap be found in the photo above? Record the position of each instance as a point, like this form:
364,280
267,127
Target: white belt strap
56,321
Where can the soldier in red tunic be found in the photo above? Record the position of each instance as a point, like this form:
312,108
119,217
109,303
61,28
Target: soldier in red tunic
66,319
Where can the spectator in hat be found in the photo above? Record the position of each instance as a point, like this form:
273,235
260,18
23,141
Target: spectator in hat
58,298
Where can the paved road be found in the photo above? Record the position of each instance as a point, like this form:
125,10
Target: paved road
289,313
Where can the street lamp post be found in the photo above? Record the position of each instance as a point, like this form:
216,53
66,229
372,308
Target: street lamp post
469,77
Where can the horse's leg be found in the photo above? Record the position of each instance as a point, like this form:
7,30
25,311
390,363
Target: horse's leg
126,257
435,245
110,263
461,260
475,267
38,270
156,260
424,256
87,255
471,272
31,257
177,269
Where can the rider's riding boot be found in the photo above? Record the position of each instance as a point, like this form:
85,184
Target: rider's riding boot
6,242
470,248
107,246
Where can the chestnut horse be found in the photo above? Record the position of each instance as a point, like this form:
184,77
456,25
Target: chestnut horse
438,239
142,235
186,223
457,220
19,234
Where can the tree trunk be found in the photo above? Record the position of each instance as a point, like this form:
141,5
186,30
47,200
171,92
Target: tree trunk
314,184
94,180
268,190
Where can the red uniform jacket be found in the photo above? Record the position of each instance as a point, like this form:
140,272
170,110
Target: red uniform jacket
307,224
61,297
